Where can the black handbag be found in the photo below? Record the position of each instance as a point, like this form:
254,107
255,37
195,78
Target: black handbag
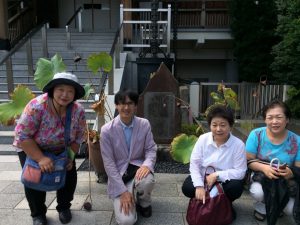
129,173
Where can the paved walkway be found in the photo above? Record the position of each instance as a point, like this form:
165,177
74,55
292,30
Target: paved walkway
169,205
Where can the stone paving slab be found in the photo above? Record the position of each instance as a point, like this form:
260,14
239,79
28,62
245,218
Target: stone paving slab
169,204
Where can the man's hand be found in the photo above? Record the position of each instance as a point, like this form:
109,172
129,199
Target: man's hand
200,194
126,202
46,164
142,172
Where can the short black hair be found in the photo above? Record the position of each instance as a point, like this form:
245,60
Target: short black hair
220,111
120,97
277,103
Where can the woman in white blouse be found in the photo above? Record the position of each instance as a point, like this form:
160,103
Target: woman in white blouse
221,150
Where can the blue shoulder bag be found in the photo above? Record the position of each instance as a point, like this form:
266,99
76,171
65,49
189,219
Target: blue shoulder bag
32,176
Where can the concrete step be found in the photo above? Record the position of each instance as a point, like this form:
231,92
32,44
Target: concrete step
26,79
7,149
7,136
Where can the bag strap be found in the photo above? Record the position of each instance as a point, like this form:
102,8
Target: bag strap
68,125
209,167
220,189
205,174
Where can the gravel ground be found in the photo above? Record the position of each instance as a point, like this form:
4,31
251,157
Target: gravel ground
160,167
164,163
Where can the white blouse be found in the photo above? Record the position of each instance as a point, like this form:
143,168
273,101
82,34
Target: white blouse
229,159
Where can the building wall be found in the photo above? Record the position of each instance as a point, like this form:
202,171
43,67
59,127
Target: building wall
201,70
107,17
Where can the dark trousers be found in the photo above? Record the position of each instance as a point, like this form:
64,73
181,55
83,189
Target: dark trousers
36,199
233,188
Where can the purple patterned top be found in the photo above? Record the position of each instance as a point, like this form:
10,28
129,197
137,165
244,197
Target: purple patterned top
38,122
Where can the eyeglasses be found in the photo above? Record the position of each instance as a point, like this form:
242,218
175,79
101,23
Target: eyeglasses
129,104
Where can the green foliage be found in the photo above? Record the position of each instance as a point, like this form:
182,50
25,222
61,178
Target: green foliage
247,125
11,110
294,101
182,147
45,70
286,65
253,28
88,90
224,96
192,129
100,62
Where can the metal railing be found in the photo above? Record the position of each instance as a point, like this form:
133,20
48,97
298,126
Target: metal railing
115,54
136,33
251,96
205,14
72,19
20,23
25,40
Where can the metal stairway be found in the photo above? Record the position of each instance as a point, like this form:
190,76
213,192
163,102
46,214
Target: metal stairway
83,44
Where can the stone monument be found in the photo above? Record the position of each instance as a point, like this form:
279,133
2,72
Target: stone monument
158,104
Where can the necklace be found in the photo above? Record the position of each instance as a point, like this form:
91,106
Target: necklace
62,122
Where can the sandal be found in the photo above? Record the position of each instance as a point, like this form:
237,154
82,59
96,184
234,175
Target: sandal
258,216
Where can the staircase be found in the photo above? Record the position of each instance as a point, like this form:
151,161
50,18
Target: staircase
82,44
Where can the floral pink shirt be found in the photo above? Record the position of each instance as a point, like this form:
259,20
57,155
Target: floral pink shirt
38,122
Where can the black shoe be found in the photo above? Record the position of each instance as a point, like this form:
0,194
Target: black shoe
39,220
145,212
65,216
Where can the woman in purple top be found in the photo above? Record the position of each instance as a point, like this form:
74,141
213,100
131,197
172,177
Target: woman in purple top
41,128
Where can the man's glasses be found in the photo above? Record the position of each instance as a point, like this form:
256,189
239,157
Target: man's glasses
129,104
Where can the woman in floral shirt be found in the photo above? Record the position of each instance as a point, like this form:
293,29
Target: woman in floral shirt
41,128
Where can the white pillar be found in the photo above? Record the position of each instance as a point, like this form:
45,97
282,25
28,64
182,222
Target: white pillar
194,98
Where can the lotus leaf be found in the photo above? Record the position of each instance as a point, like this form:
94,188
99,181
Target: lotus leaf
11,110
182,146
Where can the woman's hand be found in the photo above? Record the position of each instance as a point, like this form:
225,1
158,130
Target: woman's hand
211,179
46,164
286,173
69,164
270,172
200,194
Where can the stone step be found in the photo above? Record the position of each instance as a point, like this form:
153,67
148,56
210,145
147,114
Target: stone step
7,149
7,136
26,79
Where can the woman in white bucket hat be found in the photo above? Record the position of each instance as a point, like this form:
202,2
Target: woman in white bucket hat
41,128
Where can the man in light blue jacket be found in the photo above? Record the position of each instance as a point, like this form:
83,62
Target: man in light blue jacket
129,156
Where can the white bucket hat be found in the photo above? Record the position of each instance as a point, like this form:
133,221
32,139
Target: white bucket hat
68,79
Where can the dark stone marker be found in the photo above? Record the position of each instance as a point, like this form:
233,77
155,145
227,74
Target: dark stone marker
159,105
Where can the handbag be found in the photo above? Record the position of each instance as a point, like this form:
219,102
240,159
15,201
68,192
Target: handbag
32,176
216,210
129,173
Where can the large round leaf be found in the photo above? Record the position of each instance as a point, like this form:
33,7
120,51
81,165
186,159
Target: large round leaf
45,70
182,146
11,110
99,62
